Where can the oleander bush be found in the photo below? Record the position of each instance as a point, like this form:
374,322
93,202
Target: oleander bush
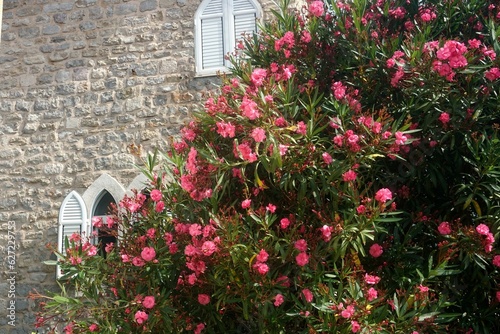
345,178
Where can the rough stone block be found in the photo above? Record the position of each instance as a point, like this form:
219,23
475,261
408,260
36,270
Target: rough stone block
29,32
148,5
51,30
125,8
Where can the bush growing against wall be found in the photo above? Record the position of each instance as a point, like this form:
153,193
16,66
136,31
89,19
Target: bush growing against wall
345,178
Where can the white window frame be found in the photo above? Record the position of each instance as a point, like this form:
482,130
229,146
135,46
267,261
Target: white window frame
228,31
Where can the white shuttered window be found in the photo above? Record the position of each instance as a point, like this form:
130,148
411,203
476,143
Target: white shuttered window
72,219
219,25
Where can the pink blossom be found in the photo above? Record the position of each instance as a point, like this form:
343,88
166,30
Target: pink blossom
246,203
444,228
140,317
271,207
269,98
257,77
361,209
96,222
306,36
400,138
327,158
92,250
261,268
93,328
109,247
203,299
444,118
208,248
75,260
246,152
125,258
301,128
371,279
148,253
199,328
262,256
423,288
280,122
492,74
249,108
138,262
350,175
300,245
496,260
226,130
284,223
258,134
326,232
190,250
195,230
156,195
148,302
376,250
474,43
278,299
308,295
339,90
347,312
383,195
355,326
482,229
316,8
372,294
283,149
302,259
160,206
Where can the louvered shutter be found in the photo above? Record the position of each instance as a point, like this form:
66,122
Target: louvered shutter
244,18
72,219
212,35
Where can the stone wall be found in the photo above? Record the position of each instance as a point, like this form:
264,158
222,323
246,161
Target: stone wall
80,81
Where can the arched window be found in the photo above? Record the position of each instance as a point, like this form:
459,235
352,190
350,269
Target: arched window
102,208
72,219
219,24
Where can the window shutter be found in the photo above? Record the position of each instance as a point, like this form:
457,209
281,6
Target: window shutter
212,35
72,219
244,24
212,42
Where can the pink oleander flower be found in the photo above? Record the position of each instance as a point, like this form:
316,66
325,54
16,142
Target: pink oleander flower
109,247
339,90
444,228
246,152
138,262
302,259
423,288
376,250
195,230
316,8
156,195
300,245
199,328
305,37
283,149
271,207
284,223
361,209
93,328
444,118
301,128
372,294
383,195
257,77
371,279
160,206
278,299
326,232
148,254
347,312
96,222
261,268
308,295
92,250
327,158
148,302
355,326
140,317
262,256
203,299
350,175
492,74
249,108
496,260
246,203
482,229
226,130
208,248
258,134
400,138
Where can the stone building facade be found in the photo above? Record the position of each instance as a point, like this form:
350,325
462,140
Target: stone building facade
81,81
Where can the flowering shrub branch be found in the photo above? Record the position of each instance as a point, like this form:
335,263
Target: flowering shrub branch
344,179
